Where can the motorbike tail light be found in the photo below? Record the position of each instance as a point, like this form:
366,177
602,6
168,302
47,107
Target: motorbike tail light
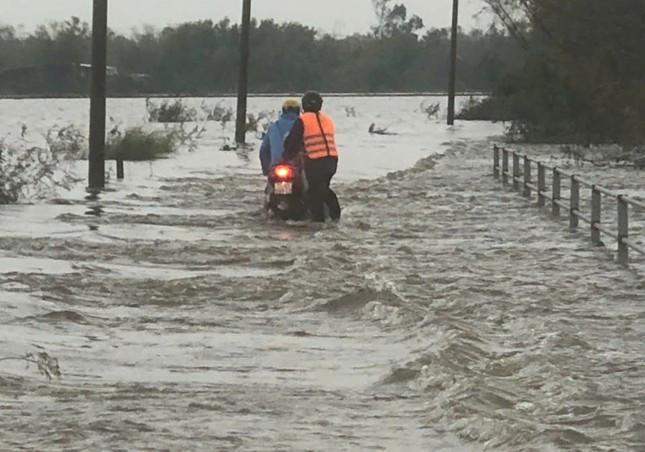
283,172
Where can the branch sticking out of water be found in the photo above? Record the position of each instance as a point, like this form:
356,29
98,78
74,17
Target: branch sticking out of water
47,365
379,130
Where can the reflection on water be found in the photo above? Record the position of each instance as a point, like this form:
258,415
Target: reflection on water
94,210
94,207
443,313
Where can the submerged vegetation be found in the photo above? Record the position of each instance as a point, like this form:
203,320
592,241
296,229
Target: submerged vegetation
485,109
29,172
178,111
431,110
170,111
136,144
218,113
259,122
46,365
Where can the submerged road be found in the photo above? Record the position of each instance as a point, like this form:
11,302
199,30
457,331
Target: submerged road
443,312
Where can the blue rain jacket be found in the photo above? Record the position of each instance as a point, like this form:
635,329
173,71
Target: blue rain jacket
273,142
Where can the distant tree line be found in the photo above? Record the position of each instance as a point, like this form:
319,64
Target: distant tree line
582,77
198,58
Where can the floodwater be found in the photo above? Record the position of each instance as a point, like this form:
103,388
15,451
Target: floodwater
444,312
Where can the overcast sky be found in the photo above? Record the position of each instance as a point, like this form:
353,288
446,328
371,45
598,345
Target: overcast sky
336,16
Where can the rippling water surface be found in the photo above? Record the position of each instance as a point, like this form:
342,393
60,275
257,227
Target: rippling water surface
444,312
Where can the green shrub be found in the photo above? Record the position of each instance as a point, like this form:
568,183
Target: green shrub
487,109
137,145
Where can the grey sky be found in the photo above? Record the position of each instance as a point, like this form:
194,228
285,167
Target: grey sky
339,16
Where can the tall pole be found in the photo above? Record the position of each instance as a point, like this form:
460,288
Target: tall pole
243,82
97,101
453,62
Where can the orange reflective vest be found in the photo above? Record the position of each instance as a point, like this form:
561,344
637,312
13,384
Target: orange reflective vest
318,135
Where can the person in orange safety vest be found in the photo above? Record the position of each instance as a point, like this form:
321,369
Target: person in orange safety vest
313,135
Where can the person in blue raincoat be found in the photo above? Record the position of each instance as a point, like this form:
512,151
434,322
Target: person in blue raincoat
273,142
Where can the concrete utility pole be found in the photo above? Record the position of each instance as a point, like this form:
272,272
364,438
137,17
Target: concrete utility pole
453,62
97,101
243,82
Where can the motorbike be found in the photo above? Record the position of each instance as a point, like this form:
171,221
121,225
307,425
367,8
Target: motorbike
285,193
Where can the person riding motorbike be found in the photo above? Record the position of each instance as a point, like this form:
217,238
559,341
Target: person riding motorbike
314,134
273,142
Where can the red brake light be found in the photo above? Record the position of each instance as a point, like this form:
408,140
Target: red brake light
283,172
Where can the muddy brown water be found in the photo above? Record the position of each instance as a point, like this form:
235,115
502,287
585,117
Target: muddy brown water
444,312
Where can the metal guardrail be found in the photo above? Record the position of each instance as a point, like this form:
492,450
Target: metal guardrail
520,177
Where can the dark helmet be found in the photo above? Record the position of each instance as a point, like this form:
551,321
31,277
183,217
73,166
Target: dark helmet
312,102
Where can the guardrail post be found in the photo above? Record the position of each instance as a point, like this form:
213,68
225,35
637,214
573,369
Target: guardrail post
527,177
516,171
596,203
495,161
555,208
541,185
623,230
574,203
504,166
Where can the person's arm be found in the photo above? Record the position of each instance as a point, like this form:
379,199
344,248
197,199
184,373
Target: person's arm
265,154
293,143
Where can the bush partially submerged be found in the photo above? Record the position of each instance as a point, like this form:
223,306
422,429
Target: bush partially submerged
137,144
261,121
487,109
28,171
168,111
68,141
431,110
218,113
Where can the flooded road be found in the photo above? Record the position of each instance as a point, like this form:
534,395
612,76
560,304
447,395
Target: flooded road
443,312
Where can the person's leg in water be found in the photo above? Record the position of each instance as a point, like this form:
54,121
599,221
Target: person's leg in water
319,174
315,193
333,206
331,200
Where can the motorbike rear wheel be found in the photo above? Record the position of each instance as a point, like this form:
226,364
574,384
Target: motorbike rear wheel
295,211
